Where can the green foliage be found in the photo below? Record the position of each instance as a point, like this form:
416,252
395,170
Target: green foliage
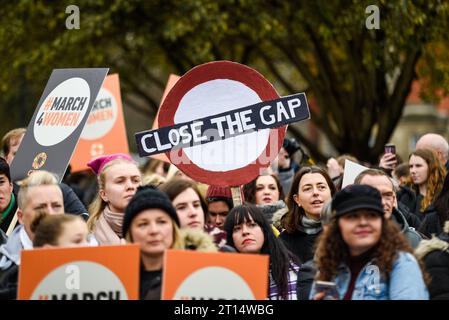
355,75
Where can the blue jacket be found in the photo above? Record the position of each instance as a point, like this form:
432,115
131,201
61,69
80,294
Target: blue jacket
405,281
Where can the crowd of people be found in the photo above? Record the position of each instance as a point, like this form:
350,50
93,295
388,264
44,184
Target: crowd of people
383,237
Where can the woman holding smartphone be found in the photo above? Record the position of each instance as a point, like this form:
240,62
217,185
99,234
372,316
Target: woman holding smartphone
364,254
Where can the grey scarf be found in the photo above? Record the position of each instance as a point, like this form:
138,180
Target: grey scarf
309,226
270,209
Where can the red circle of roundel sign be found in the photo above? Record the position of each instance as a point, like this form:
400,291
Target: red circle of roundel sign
219,88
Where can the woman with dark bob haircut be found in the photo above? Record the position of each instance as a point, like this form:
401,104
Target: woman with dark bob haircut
311,189
248,231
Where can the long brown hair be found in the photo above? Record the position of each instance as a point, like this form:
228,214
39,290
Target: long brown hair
435,176
249,189
333,250
176,186
293,217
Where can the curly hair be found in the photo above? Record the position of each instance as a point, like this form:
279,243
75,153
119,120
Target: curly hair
332,250
435,177
293,217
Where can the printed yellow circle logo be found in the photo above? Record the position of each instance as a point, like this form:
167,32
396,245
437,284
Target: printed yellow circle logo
62,111
214,283
102,117
39,160
80,280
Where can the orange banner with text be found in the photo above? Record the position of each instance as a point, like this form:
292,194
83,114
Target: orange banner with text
82,273
192,275
105,131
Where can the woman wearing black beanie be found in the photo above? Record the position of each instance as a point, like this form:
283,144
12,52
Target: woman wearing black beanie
151,220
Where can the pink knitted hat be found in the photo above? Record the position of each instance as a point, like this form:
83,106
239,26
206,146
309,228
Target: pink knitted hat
98,164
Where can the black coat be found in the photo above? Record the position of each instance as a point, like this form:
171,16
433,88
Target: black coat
306,275
72,204
150,284
412,220
410,202
437,265
406,198
431,225
8,283
300,244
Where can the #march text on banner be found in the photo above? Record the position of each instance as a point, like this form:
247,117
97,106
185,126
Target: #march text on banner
263,115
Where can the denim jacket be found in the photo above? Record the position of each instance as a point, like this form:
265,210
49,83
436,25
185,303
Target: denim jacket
405,281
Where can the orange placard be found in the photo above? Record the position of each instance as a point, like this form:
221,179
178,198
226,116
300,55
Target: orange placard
172,79
104,132
192,275
83,273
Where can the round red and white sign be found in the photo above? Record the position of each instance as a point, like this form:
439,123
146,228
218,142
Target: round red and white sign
211,89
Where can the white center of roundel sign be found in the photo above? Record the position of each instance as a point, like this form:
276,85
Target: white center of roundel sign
62,111
222,123
80,280
222,283
224,155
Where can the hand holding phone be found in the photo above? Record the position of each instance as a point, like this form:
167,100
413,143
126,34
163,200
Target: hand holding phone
390,148
325,290
388,160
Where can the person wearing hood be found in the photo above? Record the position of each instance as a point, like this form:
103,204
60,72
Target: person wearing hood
219,203
384,184
118,178
311,188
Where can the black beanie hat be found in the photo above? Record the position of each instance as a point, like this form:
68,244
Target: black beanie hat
355,197
147,197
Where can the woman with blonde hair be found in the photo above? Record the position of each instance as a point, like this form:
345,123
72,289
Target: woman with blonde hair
151,221
363,254
426,179
118,178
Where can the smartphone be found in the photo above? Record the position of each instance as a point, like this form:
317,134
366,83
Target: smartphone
329,289
390,148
